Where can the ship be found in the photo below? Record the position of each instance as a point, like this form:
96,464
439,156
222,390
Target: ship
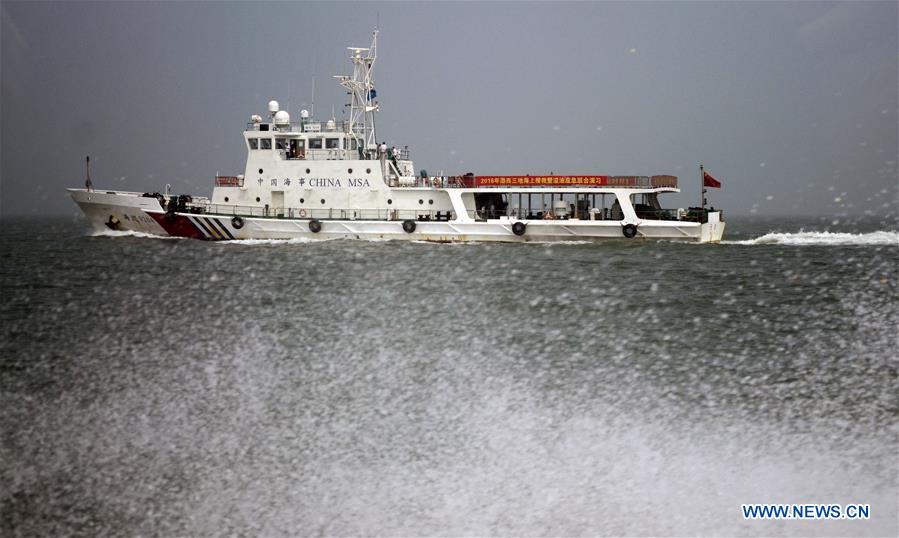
333,179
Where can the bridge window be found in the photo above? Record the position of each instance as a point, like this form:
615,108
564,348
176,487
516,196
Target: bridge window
281,143
265,143
254,143
315,143
332,143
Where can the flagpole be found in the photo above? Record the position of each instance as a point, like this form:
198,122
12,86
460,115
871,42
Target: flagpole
87,180
701,186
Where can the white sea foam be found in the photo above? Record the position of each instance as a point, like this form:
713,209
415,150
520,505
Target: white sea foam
130,233
823,238
256,242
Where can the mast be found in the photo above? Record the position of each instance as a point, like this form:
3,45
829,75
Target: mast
701,186
363,104
87,180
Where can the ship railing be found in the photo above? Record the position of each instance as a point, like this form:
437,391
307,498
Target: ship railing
331,154
591,213
305,213
534,213
481,215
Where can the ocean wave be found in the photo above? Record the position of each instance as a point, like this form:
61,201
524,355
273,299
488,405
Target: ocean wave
823,238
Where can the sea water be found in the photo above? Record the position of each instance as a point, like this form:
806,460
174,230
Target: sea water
179,387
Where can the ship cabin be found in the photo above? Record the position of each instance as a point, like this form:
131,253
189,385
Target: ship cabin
314,140
614,198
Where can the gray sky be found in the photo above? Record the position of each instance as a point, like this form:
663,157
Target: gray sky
790,105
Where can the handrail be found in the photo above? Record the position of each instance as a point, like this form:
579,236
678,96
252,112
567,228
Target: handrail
301,213
483,215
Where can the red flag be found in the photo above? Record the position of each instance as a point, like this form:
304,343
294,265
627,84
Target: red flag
709,181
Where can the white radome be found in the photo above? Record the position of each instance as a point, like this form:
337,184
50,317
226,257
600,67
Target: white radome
273,106
282,117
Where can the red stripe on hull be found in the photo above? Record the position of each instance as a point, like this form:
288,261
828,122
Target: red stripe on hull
177,225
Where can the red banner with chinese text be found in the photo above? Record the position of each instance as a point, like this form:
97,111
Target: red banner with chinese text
542,181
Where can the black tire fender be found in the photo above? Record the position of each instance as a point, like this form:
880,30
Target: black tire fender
237,222
409,226
629,231
315,226
519,228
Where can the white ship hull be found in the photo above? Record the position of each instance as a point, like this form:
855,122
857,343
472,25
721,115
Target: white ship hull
226,228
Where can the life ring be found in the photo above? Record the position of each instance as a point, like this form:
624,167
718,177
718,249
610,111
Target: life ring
519,228
302,213
301,154
629,231
408,226
113,223
315,226
237,222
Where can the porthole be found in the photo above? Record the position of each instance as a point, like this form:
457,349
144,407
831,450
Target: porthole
349,170
431,202
257,198
389,201
226,198
308,171
421,202
368,170
302,200
323,201
260,170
